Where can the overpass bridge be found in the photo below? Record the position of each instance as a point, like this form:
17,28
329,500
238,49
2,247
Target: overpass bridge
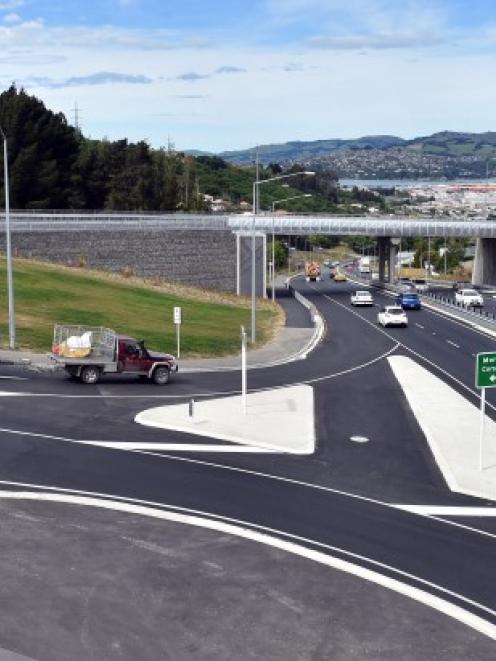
173,245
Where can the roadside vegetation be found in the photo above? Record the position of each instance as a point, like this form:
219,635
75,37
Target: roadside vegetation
46,294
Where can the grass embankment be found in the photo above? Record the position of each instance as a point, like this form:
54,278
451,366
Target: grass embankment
46,294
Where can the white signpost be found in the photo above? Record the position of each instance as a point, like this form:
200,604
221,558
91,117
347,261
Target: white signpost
243,368
177,321
485,377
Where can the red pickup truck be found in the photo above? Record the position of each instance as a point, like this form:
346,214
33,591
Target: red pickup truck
86,353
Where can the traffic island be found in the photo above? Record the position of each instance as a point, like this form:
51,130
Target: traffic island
451,425
278,420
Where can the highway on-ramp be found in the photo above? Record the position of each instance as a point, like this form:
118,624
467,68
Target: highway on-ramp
339,508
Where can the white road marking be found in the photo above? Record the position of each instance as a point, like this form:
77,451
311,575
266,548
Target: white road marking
419,325
434,333
359,439
11,393
446,510
180,447
413,352
453,344
267,536
15,378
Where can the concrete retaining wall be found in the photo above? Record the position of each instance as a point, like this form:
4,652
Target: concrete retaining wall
201,258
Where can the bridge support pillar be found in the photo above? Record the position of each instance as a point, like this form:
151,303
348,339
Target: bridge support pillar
393,258
484,271
383,253
243,264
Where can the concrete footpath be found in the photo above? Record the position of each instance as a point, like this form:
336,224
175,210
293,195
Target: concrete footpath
451,425
303,331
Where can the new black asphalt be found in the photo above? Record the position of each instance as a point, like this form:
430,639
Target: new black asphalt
355,393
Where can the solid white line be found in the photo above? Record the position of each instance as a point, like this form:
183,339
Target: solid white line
446,510
453,344
9,393
437,603
15,378
181,447
412,351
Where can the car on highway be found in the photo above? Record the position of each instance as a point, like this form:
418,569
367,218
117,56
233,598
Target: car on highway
340,277
392,315
362,297
409,300
461,284
405,284
420,285
469,298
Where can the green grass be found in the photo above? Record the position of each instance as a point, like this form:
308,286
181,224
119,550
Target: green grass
47,294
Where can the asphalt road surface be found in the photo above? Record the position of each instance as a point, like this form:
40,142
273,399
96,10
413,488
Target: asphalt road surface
156,554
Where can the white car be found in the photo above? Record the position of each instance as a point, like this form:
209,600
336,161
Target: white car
362,298
420,285
392,315
469,297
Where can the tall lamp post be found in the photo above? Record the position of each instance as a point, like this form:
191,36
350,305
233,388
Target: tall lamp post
10,287
284,199
256,185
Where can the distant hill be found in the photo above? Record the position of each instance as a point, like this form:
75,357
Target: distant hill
302,151
447,154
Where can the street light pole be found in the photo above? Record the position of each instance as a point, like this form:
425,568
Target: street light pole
10,287
285,199
256,184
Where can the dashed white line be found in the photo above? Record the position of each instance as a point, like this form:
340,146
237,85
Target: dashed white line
453,344
419,325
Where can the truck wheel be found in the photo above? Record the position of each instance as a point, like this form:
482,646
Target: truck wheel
90,374
161,376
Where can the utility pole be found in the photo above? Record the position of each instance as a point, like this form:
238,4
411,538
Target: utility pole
76,112
10,283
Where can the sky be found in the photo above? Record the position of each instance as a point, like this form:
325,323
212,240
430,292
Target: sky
230,74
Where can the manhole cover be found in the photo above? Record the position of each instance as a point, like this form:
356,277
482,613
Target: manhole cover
359,439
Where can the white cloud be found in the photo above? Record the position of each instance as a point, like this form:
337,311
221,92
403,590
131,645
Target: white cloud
230,69
11,4
383,41
12,18
192,76
100,78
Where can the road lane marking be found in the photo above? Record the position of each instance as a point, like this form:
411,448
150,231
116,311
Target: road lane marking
15,378
447,510
453,344
419,325
181,447
268,536
187,396
413,352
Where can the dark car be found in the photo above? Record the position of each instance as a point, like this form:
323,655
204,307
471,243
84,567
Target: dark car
409,301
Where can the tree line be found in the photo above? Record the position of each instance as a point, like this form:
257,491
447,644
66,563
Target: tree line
52,165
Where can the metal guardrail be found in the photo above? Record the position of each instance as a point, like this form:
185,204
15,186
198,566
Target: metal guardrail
298,224
472,313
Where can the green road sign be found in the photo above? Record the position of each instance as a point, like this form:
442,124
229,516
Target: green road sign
485,370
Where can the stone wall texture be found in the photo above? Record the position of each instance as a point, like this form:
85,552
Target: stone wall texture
201,258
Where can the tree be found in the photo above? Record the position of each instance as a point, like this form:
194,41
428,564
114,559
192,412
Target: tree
42,151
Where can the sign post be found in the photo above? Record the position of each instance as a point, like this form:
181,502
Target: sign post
177,321
243,368
485,377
